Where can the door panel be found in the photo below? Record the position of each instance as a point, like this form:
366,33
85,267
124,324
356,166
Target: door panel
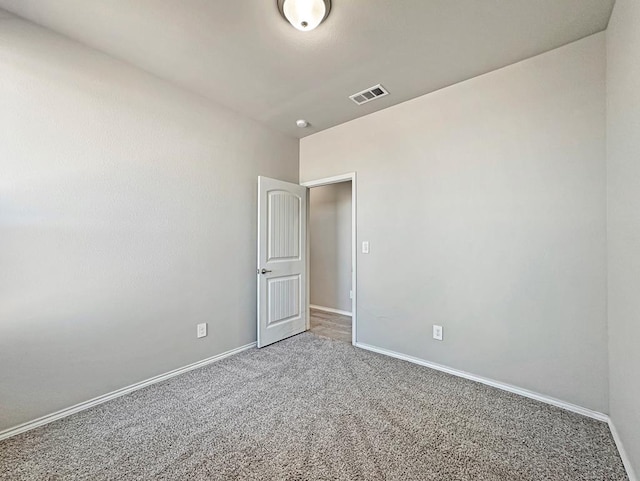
282,232
283,224
283,295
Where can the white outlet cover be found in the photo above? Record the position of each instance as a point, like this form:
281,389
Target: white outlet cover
365,247
202,330
437,332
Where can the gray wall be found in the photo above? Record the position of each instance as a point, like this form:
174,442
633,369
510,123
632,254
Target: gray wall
330,240
623,174
127,215
484,204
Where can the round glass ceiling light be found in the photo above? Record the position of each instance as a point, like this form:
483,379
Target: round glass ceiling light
304,15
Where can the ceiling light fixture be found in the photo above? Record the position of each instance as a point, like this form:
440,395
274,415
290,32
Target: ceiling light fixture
302,123
304,15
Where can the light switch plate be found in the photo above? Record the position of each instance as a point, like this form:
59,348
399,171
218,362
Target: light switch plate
365,247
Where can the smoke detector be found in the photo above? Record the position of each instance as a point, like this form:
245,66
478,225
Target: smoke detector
369,94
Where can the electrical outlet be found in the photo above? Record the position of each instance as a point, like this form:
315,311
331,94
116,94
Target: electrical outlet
350,294
365,247
437,332
202,329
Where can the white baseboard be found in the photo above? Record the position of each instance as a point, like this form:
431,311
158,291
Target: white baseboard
41,421
623,453
490,382
330,309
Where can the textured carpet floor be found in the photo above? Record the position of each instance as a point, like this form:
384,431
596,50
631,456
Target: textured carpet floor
317,409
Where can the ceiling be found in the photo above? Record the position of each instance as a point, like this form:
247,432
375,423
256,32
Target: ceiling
244,55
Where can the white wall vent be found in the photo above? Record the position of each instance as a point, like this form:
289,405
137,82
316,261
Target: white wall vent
369,94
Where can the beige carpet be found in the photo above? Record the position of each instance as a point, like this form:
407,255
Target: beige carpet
312,408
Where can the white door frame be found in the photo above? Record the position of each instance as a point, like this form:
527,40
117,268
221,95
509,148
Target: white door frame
351,176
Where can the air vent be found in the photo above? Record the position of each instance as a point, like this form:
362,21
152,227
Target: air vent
369,94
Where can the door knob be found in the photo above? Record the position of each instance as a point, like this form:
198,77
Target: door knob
264,271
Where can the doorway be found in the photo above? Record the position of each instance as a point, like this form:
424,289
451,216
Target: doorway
332,257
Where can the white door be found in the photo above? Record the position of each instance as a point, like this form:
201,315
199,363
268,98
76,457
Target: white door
282,260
